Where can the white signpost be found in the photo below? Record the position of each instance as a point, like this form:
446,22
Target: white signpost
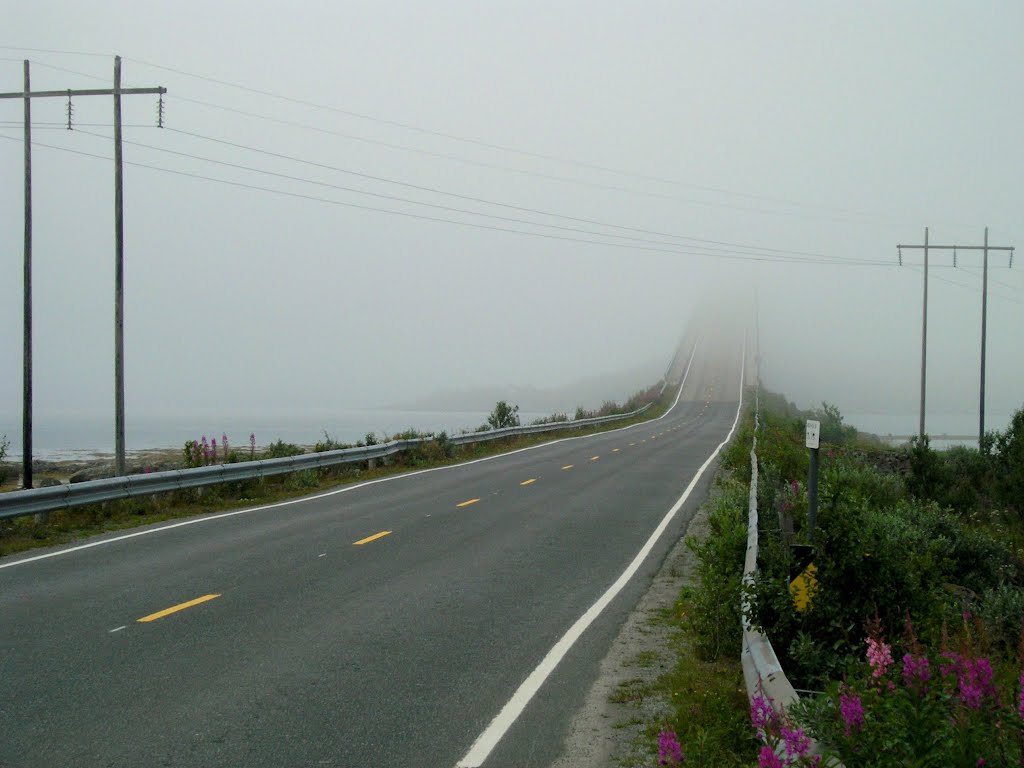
813,436
813,433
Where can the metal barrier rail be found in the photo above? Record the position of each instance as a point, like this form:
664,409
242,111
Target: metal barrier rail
37,500
761,669
762,672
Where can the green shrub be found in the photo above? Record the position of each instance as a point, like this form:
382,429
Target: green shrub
300,481
715,620
503,415
330,444
281,449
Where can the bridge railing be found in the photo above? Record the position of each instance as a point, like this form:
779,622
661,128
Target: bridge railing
41,500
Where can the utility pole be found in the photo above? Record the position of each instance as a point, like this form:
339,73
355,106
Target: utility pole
985,248
26,404
117,92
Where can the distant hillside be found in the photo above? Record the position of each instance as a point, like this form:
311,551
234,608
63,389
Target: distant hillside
589,393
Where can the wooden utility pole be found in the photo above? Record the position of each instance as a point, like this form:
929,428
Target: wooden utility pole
117,92
985,248
26,404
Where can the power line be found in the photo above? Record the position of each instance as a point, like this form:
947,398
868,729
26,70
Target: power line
485,144
472,198
499,166
494,166
473,225
452,209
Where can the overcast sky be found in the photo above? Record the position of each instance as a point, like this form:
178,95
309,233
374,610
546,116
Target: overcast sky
813,132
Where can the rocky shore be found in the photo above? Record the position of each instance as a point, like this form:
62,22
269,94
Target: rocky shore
89,467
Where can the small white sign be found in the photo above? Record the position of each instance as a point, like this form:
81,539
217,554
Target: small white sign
813,430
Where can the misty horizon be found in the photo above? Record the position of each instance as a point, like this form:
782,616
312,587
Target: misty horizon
361,207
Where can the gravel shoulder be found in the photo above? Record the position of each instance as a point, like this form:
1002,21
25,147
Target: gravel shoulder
604,733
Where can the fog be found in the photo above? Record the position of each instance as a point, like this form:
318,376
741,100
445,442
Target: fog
816,135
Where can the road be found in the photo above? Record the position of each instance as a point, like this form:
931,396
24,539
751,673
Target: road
383,625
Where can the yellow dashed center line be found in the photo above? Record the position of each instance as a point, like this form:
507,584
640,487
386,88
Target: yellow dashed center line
615,450
594,458
467,503
568,466
176,608
631,445
528,482
368,539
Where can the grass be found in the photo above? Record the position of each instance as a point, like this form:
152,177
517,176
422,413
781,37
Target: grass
707,699
65,526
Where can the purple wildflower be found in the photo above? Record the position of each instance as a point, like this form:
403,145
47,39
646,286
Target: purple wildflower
879,656
852,711
1020,701
762,715
796,741
916,672
767,758
669,750
974,679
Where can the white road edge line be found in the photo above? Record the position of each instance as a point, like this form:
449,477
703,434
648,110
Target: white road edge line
116,629
499,726
336,491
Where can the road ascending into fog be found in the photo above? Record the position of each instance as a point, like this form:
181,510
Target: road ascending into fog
388,624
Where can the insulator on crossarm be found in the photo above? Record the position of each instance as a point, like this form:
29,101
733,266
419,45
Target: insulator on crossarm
160,112
900,251
71,109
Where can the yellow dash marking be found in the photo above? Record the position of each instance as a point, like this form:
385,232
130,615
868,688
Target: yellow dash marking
176,608
527,482
594,458
568,466
615,450
631,445
467,503
368,539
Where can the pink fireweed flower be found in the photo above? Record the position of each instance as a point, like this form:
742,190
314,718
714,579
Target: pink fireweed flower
1020,701
852,710
973,677
916,672
767,758
796,741
761,713
879,656
669,751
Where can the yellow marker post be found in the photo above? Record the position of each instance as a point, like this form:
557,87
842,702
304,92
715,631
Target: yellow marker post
176,608
804,587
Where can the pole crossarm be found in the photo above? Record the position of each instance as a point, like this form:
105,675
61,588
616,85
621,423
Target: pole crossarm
81,92
958,247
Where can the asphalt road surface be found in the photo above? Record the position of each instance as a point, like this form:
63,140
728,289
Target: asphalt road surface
387,624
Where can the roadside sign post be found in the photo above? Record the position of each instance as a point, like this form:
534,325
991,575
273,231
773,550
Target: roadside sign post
813,438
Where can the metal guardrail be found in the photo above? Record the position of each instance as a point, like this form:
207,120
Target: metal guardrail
37,500
762,672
